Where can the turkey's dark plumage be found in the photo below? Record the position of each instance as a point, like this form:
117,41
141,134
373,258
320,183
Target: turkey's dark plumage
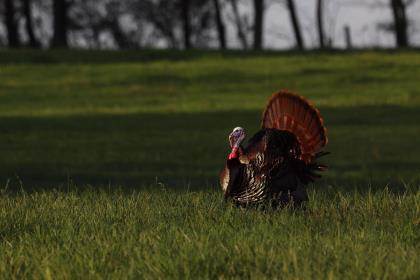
272,166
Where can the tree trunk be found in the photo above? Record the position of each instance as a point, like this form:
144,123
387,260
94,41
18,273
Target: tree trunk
320,23
400,23
11,25
239,26
295,23
347,36
119,36
27,11
186,23
60,24
221,29
258,24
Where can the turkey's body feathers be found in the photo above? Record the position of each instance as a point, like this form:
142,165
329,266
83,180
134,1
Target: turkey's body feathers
271,173
280,159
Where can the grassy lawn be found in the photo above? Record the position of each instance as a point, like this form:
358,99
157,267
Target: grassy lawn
109,165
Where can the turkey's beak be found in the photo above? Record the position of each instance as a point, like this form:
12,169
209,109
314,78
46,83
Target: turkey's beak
231,141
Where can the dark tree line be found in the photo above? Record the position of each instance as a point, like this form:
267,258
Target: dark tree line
400,22
168,23
295,23
258,24
11,23
220,24
29,23
320,23
60,23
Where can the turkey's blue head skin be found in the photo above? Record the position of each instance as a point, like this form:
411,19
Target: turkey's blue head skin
235,139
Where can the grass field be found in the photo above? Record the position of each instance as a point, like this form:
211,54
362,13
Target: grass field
109,165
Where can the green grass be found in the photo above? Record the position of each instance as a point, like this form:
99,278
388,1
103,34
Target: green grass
109,165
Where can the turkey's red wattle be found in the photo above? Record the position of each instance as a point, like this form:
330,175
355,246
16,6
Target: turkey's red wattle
234,154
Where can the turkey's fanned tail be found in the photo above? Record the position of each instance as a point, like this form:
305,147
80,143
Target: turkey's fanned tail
293,113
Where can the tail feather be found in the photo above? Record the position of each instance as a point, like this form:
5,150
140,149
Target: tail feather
291,112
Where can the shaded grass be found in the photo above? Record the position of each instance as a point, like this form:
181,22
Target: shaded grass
128,122
145,147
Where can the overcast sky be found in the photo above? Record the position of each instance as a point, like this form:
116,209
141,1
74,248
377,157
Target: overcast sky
361,17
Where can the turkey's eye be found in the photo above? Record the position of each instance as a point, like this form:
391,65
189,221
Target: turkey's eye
237,135
232,139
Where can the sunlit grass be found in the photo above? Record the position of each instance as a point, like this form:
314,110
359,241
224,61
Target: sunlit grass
160,233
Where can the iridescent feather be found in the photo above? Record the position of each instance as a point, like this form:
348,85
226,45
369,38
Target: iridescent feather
280,159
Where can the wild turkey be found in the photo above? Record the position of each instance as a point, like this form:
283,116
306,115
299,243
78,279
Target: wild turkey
280,159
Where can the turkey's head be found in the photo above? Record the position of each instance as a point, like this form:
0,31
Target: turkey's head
235,140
